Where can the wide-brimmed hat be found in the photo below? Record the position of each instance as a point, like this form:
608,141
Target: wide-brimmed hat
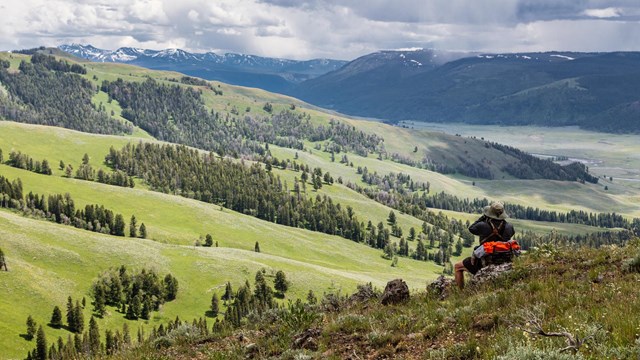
495,211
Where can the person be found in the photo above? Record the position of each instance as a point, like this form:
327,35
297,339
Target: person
491,226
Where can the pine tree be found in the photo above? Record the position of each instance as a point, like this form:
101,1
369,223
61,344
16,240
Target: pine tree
392,218
119,226
280,283
228,292
79,318
208,240
94,337
56,318
311,298
171,287
257,247
99,302
145,313
133,310
3,262
143,231
133,227
31,327
41,345
85,159
71,320
215,306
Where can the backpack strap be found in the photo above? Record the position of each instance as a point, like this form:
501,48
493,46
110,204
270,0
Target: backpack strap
495,231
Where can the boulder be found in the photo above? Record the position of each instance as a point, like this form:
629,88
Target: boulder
307,340
490,273
395,292
440,287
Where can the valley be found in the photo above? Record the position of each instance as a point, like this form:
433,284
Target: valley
176,219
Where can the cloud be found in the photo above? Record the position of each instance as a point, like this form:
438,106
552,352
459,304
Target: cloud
603,13
341,29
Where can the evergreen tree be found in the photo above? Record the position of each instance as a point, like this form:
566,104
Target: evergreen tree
262,291
257,247
100,299
133,227
208,240
56,318
79,318
143,231
3,262
71,320
311,298
458,251
31,327
94,337
228,292
215,306
41,345
109,342
391,220
145,313
62,166
134,308
280,283
119,226
171,287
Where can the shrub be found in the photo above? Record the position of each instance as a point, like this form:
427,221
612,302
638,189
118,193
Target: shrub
529,353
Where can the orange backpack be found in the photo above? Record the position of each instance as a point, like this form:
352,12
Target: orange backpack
497,252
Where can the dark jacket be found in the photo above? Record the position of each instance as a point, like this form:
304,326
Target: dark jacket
483,229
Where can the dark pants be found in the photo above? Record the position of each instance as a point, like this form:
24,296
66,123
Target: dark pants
472,268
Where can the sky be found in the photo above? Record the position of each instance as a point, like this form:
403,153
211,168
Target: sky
324,28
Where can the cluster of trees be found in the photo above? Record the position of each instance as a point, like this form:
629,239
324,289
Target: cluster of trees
86,172
525,166
397,182
93,343
135,295
83,345
59,97
247,189
529,239
531,167
24,161
446,201
51,63
245,301
450,234
61,209
177,114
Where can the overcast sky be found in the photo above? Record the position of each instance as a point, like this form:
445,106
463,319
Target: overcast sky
324,28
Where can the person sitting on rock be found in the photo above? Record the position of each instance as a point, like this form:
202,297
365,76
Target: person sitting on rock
491,226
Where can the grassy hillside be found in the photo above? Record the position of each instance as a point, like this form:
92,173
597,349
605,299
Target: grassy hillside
38,251
589,295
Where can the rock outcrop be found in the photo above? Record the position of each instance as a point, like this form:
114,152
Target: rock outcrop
395,292
490,273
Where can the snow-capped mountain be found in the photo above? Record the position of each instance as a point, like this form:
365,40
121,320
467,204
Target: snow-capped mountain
241,69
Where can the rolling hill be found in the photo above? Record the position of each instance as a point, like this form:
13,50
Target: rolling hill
50,261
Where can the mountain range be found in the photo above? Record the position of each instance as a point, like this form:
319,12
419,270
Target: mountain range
593,90
271,74
599,91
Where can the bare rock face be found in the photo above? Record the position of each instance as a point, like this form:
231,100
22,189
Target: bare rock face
395,292
490,273
440,287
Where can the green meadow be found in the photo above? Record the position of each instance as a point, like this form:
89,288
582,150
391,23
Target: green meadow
49,262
